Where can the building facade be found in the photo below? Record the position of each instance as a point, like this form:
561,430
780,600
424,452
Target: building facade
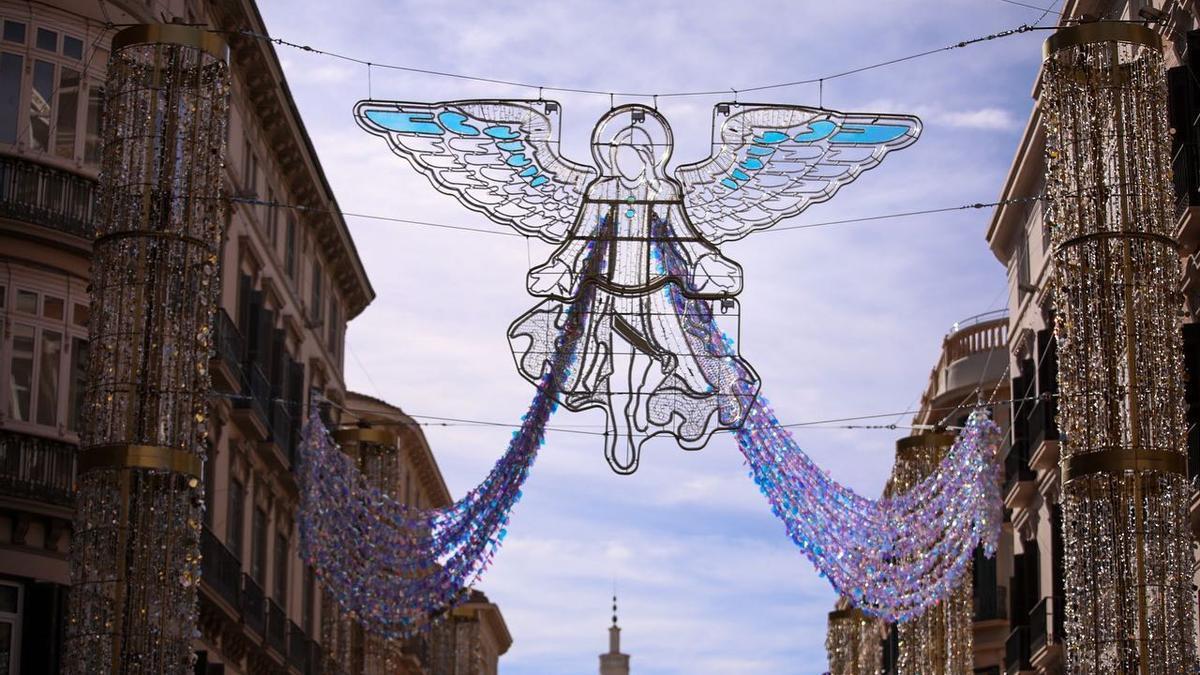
1019,237
290,281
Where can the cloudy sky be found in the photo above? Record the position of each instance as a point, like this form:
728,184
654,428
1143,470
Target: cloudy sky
839,321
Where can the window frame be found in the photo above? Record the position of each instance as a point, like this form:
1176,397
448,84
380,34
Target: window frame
90,70
73,292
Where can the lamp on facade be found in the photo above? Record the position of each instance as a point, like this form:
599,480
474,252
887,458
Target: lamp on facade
135,556
1128,560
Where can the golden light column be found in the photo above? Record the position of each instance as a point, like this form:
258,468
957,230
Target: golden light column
939,642
1129,602
852,641
135,556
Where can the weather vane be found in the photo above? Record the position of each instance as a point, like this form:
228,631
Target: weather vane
641,242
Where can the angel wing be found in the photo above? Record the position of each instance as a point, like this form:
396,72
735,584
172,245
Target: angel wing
770,162
500,158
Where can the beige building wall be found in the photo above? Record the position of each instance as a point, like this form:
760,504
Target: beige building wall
290,281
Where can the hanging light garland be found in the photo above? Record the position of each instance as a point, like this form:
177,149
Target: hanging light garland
852,642
394,567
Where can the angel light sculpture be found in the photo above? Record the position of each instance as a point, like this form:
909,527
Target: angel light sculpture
617,227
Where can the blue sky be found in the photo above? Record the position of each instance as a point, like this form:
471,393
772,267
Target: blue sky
838,321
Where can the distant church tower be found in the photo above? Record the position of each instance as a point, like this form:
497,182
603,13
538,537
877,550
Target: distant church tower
614,662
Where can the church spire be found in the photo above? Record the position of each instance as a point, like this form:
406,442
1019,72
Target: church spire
614,662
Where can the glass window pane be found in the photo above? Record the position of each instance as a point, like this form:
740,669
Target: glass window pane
79,355
258,546
68,113
72,47
235,518
48,369
40,99
20,379
14,31
82,314
91,146
27,302
47,39
10,95
281,569
3,296
52,308
8,599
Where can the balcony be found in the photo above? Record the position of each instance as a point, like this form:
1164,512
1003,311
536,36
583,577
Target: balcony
990,603
1016,651
313,667
251,408
276,628
1045,630
298,648
220,569
972,352
46,196
229,348
254,606
1017,476
37,468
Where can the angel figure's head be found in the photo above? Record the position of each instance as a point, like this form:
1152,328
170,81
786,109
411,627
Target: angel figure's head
633,142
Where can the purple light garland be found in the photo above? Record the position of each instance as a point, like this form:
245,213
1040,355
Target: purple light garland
395,567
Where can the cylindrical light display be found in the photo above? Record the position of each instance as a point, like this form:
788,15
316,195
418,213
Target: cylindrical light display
1128,557
135,557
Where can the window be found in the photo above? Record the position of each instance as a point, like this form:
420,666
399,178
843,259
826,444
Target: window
45,363
281,569
289,253
249,170
68,112
11,67
40,100
21,373
258,546
79,357
10,627
95,109
236,517
335,327
272,218
49,367
306,600
318,300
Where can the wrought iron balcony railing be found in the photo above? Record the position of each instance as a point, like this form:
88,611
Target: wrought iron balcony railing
298,647
276,628
1016,467
281,429
990,602
254,605
230,347
256,393
1045,624
1016,651
37,468
220,568
47,196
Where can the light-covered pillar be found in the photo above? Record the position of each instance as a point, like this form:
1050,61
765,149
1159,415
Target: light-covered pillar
1128,556
135,556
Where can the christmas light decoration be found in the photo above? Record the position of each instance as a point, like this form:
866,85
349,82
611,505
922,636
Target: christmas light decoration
135,558
392,567
852,641
1130,607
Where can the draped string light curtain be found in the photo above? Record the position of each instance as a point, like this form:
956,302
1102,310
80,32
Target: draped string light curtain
1128,563
135,558
852,641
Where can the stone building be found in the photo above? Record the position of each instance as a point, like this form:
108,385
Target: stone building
613,662
291,279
